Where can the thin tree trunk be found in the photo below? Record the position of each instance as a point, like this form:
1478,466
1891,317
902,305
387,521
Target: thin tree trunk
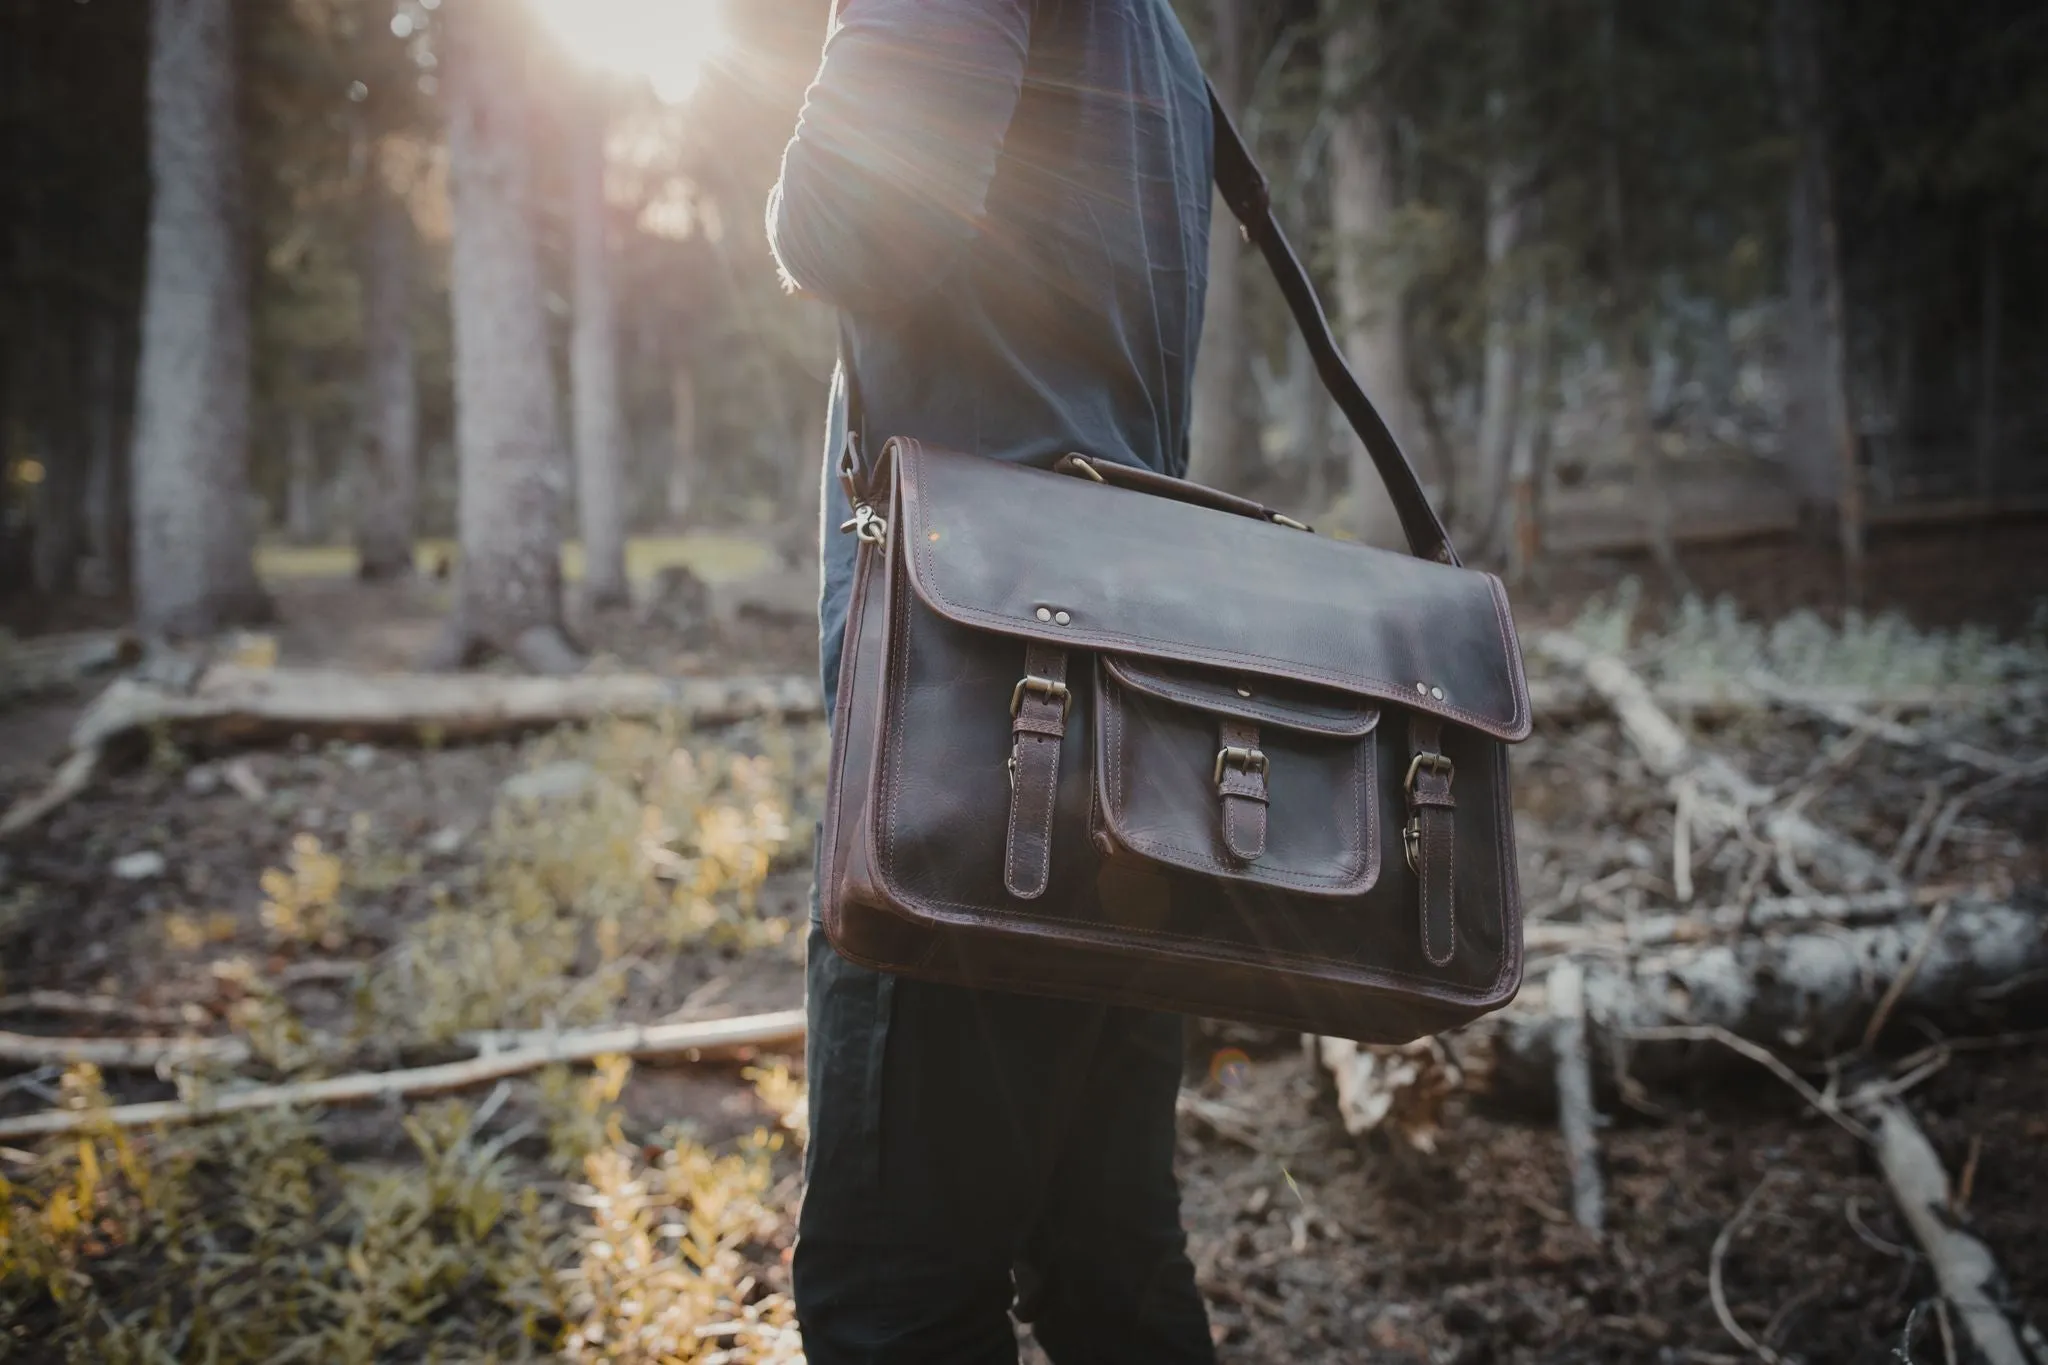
1531,455
1222,445
60,492
1361,203
194,569
507,439
594,367
1991,309
1624,302
302,480
106,487
387,496
682,468
1822,455
1500,377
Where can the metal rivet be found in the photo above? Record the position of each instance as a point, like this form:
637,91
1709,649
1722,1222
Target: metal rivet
1437,692
1423,688
1243,691
1045,613
1062,618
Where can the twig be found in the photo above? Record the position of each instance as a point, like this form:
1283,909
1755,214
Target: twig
1930,802
1906,974
1963,1266
1762,1056
88,1006
122,1054
1884,728
1950,813
1681,841
1968,1181
696,1040
1869,1238
1720,1294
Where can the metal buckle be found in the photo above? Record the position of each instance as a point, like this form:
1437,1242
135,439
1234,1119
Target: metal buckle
1236,756
1411,843
1291,524
1436,763
866,524
1045,686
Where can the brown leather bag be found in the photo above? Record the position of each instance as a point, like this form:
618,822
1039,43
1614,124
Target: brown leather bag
1106,734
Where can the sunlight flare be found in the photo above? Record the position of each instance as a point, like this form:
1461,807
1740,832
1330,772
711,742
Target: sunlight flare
668,43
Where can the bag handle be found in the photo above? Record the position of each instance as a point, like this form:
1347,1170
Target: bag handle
1243,187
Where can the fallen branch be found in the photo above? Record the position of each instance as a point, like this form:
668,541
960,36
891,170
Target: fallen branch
232,704
1890,731
696,1041
1718,1292
1723,799
88,1007
1963,1266
121,1054
1575,1117
54,662
1565,698
1764,915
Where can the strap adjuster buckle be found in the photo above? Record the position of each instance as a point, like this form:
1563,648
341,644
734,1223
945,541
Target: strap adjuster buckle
1237,756
1435,763
1045,687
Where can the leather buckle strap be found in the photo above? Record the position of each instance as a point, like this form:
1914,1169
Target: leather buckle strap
1241,776
1430,837
1038,709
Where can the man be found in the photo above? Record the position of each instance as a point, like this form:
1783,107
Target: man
1008,202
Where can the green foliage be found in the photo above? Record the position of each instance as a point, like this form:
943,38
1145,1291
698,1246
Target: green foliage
1708,642
250,1240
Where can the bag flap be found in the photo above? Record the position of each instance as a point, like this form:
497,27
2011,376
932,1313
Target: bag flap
1263,700
1028,552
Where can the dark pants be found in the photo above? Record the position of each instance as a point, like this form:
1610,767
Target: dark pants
958,1137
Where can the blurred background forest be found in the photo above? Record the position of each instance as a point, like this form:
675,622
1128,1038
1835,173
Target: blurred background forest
1618,273
346,343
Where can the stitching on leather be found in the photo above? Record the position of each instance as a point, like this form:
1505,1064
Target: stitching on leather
1516,726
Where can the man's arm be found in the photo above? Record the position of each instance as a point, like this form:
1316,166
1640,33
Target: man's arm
886,180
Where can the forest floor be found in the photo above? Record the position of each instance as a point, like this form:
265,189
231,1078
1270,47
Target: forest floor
344,891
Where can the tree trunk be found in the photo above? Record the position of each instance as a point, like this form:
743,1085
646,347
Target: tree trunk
1821,453
682,469
106,486
194,571
1991,309
302,480
594,367
1530,458
1624,305
1368,304
1500,381
60,490
388,494
1222,446
507,439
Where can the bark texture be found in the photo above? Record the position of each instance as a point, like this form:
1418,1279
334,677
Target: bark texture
507,439
682,468
594,369
1368,302
388,494
193,567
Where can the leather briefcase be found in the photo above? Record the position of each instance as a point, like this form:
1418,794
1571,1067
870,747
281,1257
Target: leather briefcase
1106,734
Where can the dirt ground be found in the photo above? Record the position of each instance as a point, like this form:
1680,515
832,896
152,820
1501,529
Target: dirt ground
1310,1246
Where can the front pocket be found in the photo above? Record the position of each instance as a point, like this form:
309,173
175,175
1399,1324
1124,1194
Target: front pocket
1242,779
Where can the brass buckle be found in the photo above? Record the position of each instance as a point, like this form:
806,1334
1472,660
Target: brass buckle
1411,843
1236,756
1044,686
866,524
1436,763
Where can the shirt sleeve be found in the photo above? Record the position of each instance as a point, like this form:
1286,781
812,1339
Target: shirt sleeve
885,183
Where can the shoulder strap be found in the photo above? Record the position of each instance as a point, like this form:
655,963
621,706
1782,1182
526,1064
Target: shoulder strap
1243,187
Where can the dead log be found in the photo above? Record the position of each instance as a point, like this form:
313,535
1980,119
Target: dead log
1807,994
1890,731
53,663
121,1054
232,704
1722,798
1567,697
1963,1266
697,1041
1767,914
